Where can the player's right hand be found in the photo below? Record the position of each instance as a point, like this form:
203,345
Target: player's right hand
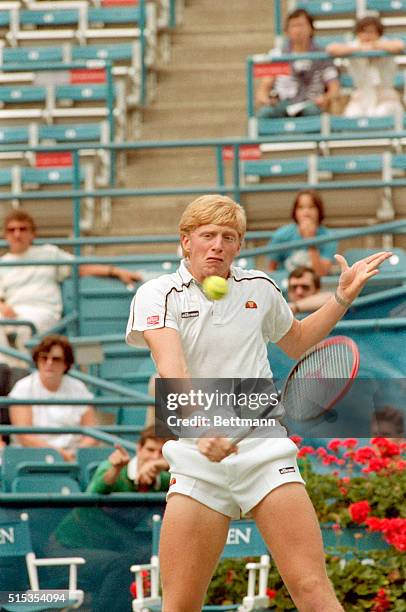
216,449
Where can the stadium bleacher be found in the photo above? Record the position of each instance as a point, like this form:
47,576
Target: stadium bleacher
56,135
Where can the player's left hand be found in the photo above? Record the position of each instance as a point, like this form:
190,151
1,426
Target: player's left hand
353,278
216,449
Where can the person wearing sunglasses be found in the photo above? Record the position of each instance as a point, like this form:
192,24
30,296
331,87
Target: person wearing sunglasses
53,357
33,292
304,293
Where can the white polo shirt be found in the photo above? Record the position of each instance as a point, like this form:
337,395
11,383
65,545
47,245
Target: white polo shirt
221,339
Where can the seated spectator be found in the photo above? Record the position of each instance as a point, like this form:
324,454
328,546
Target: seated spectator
388,422
312,84
307,214
147,471
53,357
33,292
304,293
374,95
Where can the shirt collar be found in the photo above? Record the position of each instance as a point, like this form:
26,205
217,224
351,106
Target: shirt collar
187,277
132,468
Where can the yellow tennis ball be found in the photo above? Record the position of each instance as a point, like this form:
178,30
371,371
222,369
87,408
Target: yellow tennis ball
215,287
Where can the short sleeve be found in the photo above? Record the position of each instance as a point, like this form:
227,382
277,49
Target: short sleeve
279,317
58,254
150,309
330,72
21,389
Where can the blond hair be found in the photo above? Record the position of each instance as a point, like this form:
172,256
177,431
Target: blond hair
213,209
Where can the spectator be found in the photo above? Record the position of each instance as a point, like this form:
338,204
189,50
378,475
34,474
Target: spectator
147,471
304,293
312,84
33,293
388,422
53,357
307,214
374,95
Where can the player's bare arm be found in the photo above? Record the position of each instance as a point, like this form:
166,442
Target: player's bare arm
309,331
167,351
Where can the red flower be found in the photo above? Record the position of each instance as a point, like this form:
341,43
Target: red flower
343,491
359,511
133,589
393,530
229,576
336,527
305,450
350,443
334,445
271,593
376,464
345,479
364,454
296,439
382,602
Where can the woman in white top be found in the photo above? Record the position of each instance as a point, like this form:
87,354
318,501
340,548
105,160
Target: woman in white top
374,95
53,357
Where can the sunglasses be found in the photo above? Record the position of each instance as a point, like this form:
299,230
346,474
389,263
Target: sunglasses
300,286
53,358
22,228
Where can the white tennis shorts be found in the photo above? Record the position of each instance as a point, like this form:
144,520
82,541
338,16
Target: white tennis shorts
238,482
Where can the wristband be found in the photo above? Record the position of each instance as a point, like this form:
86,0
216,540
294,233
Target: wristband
341,301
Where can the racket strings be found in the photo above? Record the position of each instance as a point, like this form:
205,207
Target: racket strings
318,380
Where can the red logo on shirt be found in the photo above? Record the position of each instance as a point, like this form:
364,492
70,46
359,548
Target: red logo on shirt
153,320
251,304
172,482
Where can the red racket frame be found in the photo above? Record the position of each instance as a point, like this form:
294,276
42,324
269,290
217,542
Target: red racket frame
353,374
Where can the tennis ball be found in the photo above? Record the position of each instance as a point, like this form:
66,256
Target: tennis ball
215,287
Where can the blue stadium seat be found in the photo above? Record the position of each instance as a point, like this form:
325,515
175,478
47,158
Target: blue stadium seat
116,52
22,94
291,125
5,19
62,485
350,164
273,168
88,458
5,177
387,6
321,8
26,55
74,132
49,18
14,135
78,93
15,456
115,15
361,124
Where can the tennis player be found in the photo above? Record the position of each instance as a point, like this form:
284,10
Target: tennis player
212,480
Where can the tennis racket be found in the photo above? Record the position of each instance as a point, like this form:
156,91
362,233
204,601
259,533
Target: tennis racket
321,377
